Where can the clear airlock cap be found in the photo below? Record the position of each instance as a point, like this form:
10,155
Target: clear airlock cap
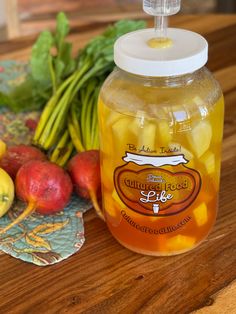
161,7
188,53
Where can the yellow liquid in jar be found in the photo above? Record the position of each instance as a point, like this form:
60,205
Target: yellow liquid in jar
198,139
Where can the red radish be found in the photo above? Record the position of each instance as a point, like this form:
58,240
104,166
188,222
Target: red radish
84,169
18,155
45,186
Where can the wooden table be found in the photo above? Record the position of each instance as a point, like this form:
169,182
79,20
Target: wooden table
104,277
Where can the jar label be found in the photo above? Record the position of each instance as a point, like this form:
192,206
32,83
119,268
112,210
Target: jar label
153,186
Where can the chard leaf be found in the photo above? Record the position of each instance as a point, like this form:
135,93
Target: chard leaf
64,63
59,70
62,30
25,97
66,57
40,58
7,101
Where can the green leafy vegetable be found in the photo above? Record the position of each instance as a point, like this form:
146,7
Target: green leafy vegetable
62,29
64,64
68,86
27,96
50,64
40,57
74,104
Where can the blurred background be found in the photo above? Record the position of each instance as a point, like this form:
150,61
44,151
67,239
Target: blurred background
26,17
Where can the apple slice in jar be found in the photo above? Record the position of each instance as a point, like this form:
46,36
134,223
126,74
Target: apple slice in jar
112,118
145,130
164,135
200,138
208,160
200,214
123,135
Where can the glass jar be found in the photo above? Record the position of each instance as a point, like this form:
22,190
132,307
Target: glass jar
160,142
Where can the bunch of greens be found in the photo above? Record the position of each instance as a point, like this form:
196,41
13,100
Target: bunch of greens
68,86
50,64
70,117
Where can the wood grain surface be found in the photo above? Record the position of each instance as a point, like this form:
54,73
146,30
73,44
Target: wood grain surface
104,277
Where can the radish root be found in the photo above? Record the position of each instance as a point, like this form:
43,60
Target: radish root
29,209
98,209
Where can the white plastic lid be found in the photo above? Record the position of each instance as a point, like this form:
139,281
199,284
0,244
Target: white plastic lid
188,53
